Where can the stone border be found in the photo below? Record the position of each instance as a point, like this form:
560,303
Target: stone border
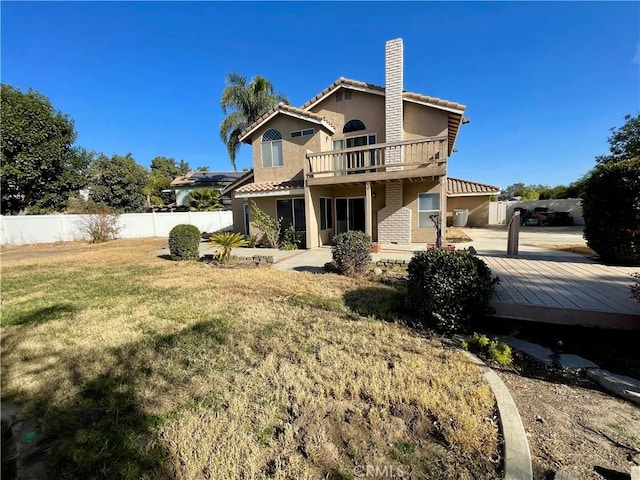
517,458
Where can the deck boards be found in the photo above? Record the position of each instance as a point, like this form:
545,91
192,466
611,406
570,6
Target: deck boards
563,288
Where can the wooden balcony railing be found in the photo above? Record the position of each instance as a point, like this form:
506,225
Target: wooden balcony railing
380,157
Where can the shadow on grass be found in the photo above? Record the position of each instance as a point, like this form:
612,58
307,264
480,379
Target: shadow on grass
39,315
104,431
384,303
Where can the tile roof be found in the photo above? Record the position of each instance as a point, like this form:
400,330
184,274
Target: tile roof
281,107
347,82
455,186
271,186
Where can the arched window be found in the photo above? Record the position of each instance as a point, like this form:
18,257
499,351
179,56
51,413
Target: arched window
353,126
271,148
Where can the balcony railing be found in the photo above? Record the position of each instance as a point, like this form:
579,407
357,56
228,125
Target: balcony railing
380,157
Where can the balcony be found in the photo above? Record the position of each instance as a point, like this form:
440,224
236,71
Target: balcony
424,157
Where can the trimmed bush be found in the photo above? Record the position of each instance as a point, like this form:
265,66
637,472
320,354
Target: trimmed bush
611,211
446,290
352,252
183,242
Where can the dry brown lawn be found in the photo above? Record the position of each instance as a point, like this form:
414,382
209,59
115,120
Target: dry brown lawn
137,366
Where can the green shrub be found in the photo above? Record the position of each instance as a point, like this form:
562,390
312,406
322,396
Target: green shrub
496,350
269,226
291,239
446,289
611,211
352,252
183,242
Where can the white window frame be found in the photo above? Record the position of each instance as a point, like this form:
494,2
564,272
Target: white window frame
328,213
269,144
307,132
428,212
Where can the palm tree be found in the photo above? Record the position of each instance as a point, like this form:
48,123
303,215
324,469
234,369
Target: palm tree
247,102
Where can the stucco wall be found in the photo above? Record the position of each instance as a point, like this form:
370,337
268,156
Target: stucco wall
293,149
410,200
478,207
368,108
421,121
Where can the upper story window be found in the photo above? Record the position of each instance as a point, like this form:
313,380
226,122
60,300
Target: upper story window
303,133
272,148
353,126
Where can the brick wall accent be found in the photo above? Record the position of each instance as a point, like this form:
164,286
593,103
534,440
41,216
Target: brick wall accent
394,220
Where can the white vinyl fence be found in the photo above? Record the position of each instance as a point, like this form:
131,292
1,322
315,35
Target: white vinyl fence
500,212
22,229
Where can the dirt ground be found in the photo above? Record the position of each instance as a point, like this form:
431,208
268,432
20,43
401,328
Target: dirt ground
573,425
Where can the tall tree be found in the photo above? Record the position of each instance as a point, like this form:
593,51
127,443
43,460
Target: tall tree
243,104
611,198
163,171
624,142
39,165
118,182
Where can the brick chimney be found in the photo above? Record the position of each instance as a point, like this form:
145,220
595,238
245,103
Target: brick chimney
394,219
393,95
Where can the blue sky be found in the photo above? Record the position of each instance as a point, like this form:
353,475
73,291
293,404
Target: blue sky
543,82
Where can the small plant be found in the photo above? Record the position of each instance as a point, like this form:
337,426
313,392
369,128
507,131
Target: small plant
226,242
291,239
269,226
183,242
402,451
352,252
447,289
100,226
252,240
496,350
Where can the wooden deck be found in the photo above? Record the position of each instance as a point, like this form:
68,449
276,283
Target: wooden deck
563,288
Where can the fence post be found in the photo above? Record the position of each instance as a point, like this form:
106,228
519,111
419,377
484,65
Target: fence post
514,234
155,225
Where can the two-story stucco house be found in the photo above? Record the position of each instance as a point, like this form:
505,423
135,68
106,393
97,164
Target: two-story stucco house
354,157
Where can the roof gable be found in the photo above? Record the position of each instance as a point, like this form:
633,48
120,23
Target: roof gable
288,110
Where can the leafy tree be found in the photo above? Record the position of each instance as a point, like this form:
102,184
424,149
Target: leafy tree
39,165
204,200
243,104
624,143
611,198
163,171
118,182
530,193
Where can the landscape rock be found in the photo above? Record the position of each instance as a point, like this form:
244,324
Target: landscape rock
533,350
563,474
622,385
575,362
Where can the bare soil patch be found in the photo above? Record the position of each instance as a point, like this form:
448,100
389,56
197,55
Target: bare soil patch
575,427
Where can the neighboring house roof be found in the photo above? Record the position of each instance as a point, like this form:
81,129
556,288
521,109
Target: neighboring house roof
266,189
455,110
203,179
464,188
240,181
283,109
